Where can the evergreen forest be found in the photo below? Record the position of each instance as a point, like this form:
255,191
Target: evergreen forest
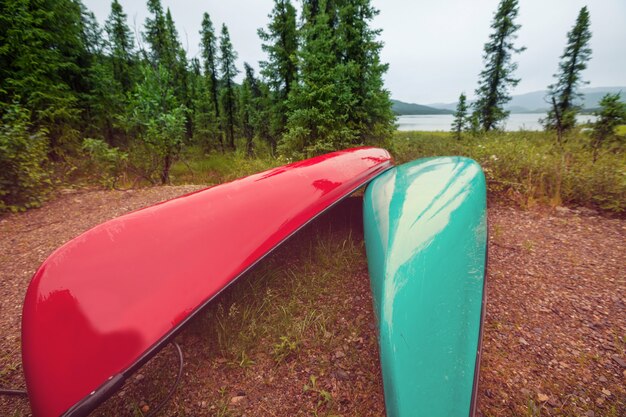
77,97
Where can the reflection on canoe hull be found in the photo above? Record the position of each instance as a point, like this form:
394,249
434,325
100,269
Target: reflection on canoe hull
426,241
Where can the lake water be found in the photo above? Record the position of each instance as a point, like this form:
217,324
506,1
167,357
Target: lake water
525,121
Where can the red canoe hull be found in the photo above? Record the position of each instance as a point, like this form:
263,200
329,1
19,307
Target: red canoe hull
100,305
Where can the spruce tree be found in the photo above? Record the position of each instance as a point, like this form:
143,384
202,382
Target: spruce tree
43,68
121,46
461,121
155,34
194,77
340,100
98,89
158,120
612,113
177,60
319,105
228,97
105,103
111,77
280,42
248,107
92,34
564,92
209,52
264,116
310,9
359,50
494,81
205,127
166,50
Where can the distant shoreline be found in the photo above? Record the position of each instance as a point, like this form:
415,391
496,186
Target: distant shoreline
526,103
443,122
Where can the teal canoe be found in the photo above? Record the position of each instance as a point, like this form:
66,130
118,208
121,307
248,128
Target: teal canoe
426,241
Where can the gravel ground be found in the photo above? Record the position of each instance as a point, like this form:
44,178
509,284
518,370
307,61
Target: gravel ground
554,336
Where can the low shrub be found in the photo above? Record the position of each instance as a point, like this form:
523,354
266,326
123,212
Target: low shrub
530,167
24,174
107,163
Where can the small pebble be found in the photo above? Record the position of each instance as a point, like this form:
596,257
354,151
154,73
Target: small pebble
237,399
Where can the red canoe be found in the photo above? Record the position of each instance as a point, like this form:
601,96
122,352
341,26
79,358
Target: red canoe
104,303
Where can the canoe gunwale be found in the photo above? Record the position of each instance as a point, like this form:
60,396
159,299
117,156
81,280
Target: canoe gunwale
483,313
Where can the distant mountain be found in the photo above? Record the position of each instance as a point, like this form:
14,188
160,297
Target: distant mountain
535,102
444,106
401,108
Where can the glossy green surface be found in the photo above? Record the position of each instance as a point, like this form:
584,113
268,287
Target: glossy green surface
425,235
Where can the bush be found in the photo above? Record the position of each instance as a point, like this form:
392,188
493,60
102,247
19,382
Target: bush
530,167
158,121
107,163
24,176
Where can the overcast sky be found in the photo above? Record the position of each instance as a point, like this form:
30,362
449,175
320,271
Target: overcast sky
434,48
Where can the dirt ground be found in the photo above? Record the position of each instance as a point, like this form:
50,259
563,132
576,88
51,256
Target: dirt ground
554,339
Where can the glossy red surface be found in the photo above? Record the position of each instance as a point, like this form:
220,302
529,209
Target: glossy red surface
99,302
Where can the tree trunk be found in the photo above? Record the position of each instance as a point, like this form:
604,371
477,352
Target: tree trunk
165,173
559,122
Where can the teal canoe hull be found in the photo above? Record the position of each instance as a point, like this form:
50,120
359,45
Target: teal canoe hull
426,241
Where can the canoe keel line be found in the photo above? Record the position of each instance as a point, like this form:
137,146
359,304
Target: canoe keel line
426,241
107,301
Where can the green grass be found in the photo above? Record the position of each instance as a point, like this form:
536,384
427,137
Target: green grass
196,167
527,168
10,367
285,308
530,168
324,398
276,303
